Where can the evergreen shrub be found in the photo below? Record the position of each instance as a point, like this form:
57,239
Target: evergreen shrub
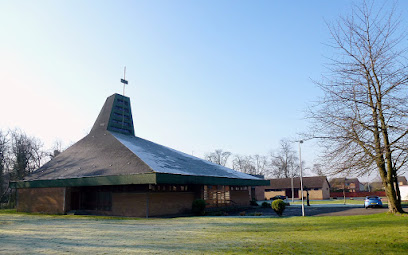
278,206
198,207
253,202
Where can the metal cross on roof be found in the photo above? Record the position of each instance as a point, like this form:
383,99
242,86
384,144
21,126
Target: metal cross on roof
124,81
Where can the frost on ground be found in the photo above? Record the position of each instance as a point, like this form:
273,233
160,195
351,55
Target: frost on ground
22,234
365,234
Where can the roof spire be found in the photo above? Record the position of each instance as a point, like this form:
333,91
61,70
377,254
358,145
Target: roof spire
124,81
115,116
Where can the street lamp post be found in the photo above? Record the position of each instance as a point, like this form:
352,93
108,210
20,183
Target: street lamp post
301,177
293,190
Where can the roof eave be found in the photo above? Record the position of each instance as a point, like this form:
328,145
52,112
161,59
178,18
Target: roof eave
146,178
209,180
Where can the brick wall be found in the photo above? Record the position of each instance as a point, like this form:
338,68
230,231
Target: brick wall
41,200
270,194
260,193
319,194
57,201
170,203
326,191
163,203
240,197
129,204
313,194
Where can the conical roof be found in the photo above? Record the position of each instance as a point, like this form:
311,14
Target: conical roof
115,116
111,155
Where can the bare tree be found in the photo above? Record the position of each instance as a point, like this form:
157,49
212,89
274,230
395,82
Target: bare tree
284,162
219,157
39,155
261,164
56,149
318,169
362,118
3,160
244,164
27,154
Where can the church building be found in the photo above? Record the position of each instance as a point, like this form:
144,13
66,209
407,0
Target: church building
113,172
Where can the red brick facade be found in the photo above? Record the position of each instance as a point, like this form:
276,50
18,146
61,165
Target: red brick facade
240,197
42,200
135,204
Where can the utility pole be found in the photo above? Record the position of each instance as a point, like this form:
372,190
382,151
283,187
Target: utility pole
344,190
301,177
293,190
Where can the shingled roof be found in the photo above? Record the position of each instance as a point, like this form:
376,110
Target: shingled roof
111,155
314,182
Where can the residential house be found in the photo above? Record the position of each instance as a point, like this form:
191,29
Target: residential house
349,184
317,186
377,185
402,180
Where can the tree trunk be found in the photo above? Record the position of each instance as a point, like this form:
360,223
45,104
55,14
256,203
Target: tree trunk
391,188
394,206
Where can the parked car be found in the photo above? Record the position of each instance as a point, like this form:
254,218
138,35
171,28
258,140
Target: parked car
278,197
372,201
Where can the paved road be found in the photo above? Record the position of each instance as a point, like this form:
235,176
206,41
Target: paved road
334,210
317,210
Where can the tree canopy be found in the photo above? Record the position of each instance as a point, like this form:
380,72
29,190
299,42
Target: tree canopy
362,118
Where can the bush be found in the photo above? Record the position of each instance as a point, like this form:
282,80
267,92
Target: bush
253,202
265,205
198,207
278,206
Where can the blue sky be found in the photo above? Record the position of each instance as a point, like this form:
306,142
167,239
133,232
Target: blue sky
203,75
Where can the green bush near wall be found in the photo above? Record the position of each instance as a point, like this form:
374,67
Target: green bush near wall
278,206
198,207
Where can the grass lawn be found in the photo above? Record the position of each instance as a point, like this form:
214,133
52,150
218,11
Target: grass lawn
372,234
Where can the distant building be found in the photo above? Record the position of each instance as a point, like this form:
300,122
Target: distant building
404,192
376,186
349,184
366,186
403,186
402,180
317,186
113,172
